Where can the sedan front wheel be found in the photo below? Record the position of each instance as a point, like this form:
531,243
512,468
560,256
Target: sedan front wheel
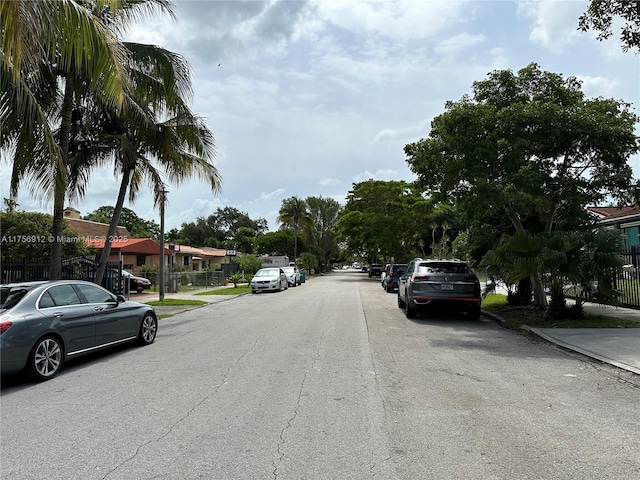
46,358
148,330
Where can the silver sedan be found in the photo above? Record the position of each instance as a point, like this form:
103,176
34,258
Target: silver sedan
44,323
269,279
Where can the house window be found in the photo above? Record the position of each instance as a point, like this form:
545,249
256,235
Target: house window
631,237
186,260
141,260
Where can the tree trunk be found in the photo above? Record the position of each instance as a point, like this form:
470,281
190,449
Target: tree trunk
61,183
113,226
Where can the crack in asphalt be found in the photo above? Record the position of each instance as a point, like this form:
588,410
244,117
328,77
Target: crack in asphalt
281,440
225,375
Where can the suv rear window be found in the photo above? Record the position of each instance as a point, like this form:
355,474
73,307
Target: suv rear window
443,267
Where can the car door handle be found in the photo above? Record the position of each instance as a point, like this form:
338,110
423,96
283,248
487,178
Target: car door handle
58,314
97,309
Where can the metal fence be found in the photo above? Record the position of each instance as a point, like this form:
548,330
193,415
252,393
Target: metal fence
627,278
72,268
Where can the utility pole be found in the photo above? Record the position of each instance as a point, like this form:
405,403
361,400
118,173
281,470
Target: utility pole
163,200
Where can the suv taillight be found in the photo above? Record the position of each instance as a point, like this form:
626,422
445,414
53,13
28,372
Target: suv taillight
4,326
420,278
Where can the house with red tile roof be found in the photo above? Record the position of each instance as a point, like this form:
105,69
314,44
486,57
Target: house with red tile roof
627,219
134,252
197,259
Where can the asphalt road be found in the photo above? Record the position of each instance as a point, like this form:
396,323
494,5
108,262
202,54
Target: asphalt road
327,380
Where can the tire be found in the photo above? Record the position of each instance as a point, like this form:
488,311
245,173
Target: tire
409,311
400,301
45,358
148,330
388,289
139,290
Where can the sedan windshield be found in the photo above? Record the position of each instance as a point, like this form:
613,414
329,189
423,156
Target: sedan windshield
271,272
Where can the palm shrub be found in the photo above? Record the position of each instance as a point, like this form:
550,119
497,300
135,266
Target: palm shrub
235,278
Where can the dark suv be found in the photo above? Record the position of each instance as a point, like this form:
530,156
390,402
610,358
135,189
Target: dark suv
433,282
392,274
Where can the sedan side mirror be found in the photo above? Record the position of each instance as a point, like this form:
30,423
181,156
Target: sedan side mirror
121,299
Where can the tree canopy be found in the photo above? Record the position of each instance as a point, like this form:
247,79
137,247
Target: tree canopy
137,226
528,146
227,227
382,220
600,16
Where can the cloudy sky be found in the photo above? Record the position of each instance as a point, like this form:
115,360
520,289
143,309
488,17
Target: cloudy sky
307,97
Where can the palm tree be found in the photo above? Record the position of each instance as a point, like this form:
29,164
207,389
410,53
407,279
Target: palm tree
73,55
294,214
181,145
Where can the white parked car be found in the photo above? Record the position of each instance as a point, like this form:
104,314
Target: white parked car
269,279
293,275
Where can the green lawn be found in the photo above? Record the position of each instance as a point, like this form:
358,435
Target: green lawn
175,302
515,317
227,291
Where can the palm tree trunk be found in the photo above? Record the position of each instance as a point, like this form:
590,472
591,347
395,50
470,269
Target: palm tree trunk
61,182
295,245
113,226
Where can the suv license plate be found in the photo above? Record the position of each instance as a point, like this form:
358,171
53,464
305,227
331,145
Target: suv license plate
446,286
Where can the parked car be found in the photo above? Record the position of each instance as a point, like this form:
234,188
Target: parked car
392,273
293,275
135,283
269,279
427,283
375,270
44,323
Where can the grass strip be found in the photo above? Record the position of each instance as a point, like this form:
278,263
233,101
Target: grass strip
227,291
175,302
515,317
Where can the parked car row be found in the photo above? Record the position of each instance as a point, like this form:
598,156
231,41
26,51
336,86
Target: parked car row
431,283
275,279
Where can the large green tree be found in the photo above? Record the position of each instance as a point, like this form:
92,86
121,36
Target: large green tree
227,227
385,220
600,16
279,242
324,213
137,226
26,236
530,145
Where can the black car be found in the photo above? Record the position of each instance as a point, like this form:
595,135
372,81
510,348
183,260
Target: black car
375,270
435,282
44,323
392,274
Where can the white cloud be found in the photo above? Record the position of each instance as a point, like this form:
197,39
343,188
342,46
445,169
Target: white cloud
270,195
459,43
329,182
555,22
598,86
